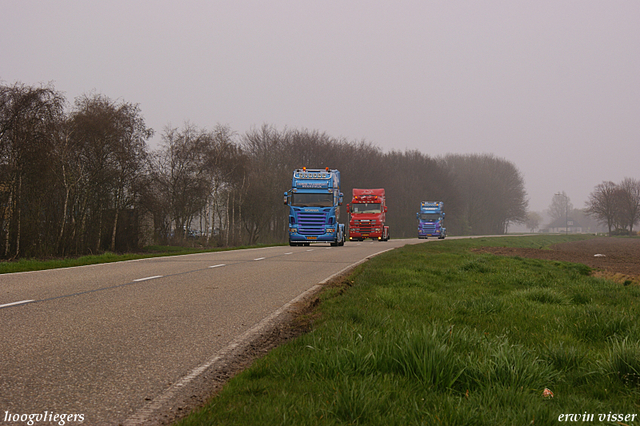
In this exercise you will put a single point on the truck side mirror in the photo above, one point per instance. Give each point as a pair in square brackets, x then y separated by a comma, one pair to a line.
[340, 199]
[286, 198]
[443, 215]
[348, 208]
[385, 209]
[417, 215]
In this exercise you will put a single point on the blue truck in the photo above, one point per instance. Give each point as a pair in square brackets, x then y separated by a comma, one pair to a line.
[430, 220]
[314, 202]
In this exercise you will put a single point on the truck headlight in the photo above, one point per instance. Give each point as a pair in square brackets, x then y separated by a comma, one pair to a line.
[293, 230]
[330, 230]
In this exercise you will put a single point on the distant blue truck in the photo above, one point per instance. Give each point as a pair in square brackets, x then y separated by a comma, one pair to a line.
[314, 202]
[431, 220]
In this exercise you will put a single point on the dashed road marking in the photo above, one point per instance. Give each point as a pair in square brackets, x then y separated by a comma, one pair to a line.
[147, 278]
[21, 302]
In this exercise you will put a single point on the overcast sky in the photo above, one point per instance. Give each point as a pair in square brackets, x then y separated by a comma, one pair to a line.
[552, 86]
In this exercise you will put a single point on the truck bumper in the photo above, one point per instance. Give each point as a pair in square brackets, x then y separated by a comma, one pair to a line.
[427, 234]
[325, 238]
[364, 236]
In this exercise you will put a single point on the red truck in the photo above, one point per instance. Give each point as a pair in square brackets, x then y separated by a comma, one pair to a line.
[367, 209]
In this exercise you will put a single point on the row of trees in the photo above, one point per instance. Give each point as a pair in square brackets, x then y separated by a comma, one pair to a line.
[617, 205]
[83, 179]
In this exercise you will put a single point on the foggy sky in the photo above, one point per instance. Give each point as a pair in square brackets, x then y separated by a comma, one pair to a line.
[552, 86]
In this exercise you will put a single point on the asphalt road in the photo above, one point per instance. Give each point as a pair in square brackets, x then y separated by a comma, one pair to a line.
[110, 342]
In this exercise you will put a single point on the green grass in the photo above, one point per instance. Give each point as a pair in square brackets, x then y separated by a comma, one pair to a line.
[436, 334]
[24, 265]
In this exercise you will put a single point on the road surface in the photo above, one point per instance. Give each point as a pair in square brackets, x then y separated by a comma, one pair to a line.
[115, 344]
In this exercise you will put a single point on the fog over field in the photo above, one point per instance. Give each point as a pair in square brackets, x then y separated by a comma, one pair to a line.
[552, 86]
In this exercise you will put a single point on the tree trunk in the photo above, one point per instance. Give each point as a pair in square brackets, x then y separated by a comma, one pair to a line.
[113, 232]
[8, 216]
[99, 242]
[83, 226]
[18, 214]
[64, 214]
[228, 219]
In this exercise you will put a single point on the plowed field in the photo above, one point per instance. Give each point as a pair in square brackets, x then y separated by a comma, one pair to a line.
[613, 258]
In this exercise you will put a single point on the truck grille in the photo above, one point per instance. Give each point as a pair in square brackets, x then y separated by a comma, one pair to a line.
[363, 227]
[311, 223]
[429, 228]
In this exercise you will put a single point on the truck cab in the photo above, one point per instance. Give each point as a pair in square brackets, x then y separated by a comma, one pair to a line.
[368, 214]
[431, 220]
[314, 202]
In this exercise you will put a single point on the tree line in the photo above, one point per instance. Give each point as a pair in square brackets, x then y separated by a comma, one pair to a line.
[82, 178]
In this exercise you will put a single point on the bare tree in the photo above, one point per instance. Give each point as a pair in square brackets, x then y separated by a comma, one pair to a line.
[602, 204]
[224, 165]
[130, 152]
[179, 174]
[269, 174]
[107, 156]
[30, 119]
[560, 205]
[629, 203]
[533, 221]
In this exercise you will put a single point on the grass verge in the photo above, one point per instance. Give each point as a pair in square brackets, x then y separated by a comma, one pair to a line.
[24, 265]
[435, 334]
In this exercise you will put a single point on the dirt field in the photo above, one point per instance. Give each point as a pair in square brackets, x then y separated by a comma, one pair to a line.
[613, 258]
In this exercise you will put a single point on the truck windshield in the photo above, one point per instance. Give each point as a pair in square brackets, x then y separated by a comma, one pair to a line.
[312, 200]
[366, 208]
[430, 217]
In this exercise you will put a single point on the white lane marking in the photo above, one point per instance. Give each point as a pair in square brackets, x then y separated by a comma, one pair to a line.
[217, 266]
[240, 342]
[217, 361]
[310, 250]
[147, 278]
[22, 302]
[289, 252]
[260, 258]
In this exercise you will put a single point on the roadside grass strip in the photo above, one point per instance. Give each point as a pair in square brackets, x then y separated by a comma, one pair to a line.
[435, 334]
[28, 265]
